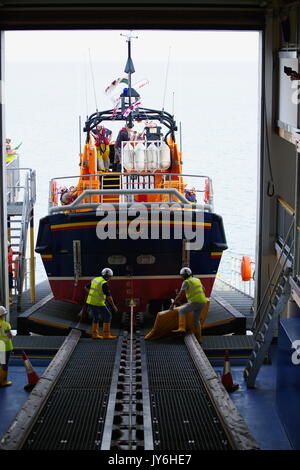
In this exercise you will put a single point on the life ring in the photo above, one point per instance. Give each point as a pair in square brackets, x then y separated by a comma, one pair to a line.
[206, 192]
[246, 270]
[54, 192]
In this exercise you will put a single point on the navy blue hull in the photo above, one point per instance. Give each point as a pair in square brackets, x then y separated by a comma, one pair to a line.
[72, 254]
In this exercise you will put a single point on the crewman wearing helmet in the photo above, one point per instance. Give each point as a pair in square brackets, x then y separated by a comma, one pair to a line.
[194, 291]
[6, 347]
[99, 294]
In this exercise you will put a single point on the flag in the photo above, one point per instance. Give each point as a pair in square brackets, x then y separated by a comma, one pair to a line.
[116, 108]
[114, 84]
[141, 83]
[131, 108]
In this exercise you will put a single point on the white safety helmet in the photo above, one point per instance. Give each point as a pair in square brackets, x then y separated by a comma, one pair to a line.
[107, 272]
[3, 311]
[185, 272]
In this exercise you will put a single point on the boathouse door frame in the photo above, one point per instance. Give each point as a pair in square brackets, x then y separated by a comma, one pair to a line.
[4, 293]
[241, 15]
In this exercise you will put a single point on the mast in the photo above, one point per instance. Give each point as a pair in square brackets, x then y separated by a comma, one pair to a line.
[129, 69]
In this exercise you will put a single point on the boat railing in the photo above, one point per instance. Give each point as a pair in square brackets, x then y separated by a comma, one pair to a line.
[13, 179]
[73, 193]
[21, 187]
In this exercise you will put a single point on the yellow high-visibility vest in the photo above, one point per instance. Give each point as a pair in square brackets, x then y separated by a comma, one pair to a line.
[96, 296]
[195, 291]
[5, 341]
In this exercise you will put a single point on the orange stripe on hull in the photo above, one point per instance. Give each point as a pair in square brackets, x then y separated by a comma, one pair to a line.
[216, 255]
[83, 225]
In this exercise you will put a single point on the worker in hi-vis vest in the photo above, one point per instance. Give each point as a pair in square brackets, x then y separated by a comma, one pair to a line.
[99, 294]
[6, 347]
[196, 300]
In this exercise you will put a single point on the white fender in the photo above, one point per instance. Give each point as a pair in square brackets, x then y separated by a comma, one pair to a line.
[164, 156]
[128, 162]
[152, 157]
[139, 157]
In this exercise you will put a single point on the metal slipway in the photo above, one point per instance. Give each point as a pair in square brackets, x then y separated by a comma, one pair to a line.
[128, 394]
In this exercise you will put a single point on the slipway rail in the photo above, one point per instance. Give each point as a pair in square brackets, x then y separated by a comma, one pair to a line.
[84, 401]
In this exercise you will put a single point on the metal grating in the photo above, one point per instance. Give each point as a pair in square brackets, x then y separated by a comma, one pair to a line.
[71, 420]
[188, 422]
[58, 311]
[182, 413]
[238, 299]
[228, 342]
[73, 417]
[38, 342]
[41, 291]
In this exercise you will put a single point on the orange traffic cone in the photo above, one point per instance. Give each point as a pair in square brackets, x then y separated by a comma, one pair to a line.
[227, 377]
[33, 377]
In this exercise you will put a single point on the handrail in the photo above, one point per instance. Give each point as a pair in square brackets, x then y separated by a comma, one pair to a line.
[22, 246]
[27, 183]
[31, 188]
[286, 206]
[144, 187]
[92, 192]
[131, 174]
[272, 276]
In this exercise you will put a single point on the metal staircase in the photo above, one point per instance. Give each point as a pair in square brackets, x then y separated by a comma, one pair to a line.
[21, 195]
[269, 312]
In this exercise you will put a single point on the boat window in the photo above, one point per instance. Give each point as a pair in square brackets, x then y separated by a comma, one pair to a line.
[145, 259]
[117, 259]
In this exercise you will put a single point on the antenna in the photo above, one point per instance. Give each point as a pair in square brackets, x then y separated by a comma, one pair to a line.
[129, 36]
[86, 86]
[180, 128]
[129, 68]
[173, 103]
[79, 135]
[93, 80]
[166, 80]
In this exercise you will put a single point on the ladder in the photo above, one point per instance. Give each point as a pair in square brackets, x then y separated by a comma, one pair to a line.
[110, 181]
[268, 318]
[20, 218]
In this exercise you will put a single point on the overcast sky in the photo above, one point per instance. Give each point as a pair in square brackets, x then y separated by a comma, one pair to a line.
[151, 45]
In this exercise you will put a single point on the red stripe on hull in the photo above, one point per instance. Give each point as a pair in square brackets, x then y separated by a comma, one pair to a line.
[142, 289]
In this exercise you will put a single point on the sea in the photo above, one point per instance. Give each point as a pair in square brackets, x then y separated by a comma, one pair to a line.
[216, 105]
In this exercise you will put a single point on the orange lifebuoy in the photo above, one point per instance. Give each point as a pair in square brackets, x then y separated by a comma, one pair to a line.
[54, 192]
[206, 192]
[246, 271]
